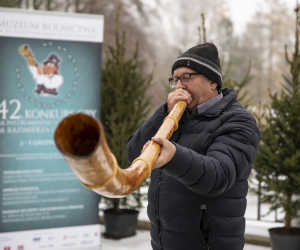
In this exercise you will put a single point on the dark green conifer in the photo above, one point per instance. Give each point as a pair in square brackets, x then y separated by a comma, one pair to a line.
[277, 163]
[239, 86]
[124, 105]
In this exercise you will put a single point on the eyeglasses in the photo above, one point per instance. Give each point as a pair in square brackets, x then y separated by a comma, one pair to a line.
[184, 78]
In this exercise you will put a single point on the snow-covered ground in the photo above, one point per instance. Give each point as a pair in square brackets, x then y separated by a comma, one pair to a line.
[141, 241]
[252, 206]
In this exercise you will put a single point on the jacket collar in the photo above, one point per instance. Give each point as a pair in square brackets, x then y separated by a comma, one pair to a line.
[229, 97]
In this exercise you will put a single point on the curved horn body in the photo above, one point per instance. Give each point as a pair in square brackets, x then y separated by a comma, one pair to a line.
[81, 140]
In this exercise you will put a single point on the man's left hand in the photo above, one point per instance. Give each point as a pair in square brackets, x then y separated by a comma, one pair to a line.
[167, 151]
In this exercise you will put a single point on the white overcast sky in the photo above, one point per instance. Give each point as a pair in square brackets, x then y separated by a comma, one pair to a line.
[241, 11]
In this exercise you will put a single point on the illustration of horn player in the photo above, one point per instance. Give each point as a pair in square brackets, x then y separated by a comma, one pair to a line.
[47, 78]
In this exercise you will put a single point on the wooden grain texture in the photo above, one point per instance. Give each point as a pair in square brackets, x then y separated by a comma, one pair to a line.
[81, 140]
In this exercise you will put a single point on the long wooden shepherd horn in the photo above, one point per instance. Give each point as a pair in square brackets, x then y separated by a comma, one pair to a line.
[81, 140]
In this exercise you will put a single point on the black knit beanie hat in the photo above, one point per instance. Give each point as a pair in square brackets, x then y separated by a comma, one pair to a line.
[204, 59]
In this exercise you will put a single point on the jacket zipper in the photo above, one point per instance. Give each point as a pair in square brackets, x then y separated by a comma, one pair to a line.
[203, 211]
[157, 211]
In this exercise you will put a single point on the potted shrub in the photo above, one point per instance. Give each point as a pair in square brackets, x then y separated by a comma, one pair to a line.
[124, 107]
[277, 163]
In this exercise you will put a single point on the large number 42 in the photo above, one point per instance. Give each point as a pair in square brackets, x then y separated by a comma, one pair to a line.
[4, 110]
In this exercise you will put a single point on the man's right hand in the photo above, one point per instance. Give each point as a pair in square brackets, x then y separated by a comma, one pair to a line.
[178, 95]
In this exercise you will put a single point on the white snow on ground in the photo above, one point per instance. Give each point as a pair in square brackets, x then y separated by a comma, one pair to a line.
[141, 241]
[252, 206]
[260, 228]
[254, 247]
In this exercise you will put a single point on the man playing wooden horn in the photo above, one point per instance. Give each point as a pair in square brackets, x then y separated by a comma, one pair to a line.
[197, 195]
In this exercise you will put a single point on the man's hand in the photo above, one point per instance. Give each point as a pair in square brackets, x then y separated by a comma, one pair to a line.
[178, 95]
[167, 151]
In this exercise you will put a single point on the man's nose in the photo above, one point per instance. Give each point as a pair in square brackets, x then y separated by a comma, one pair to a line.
[179, 85]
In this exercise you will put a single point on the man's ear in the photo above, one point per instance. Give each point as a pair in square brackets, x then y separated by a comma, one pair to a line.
[214, 85]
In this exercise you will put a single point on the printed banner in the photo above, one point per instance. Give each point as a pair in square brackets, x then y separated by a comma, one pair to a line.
[50, 67]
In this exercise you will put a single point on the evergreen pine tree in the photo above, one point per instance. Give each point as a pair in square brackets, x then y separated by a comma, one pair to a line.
[277, 163]
[239, 86]
[124, 106]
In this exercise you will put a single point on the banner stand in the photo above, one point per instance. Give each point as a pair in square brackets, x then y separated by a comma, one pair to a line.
[50, 67]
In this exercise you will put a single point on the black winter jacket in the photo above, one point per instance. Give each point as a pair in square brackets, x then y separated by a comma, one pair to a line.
[198, 199]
